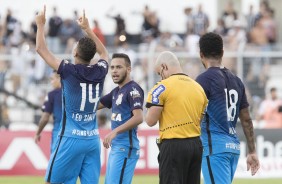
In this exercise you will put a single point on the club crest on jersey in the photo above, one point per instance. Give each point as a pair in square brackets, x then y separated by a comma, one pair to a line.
[156, 93]
[119, 99]
[134, 93]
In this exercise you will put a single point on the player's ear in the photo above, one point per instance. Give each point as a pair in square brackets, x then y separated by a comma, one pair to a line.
[222, 53]
[201, 55]
[75, 53]
[164, 66]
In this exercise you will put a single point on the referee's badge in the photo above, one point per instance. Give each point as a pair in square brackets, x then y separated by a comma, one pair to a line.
[156, 93]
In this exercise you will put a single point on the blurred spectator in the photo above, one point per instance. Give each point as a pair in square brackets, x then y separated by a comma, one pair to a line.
[3, 71]
[189, 19]
[250, 19]
[18, 36]
[9, 26]
[258, 34]
[102, 118]
[269, 25]
[150, 26]
[229, 15]
[1, 35]
[201, 22]
[120, 32]
[236, 35]
[125, 48]
[221, 28]
[32, 31]
[97, 30]
[264, 6]
[35, 72]
[4, 116]
[55, 23]
[78, 33]
[170, 41]
[67, 35]
[270, 111]
[235, 38]
[192, 42]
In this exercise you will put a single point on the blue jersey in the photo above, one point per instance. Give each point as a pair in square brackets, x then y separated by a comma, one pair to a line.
[123, 101]
[53, 105]
[82, 86]
[226, 95]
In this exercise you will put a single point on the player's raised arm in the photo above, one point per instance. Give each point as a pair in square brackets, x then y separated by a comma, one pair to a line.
[41, 47]
[101, 49]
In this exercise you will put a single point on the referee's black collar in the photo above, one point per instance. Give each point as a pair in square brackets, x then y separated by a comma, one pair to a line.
[180, 74]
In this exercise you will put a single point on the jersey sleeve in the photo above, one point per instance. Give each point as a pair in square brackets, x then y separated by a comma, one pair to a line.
[205, 84]
[136, 98]
[107, 100]
[244, 103]
[65, 68]
[102, 67]
[48, 104]
[156, 96]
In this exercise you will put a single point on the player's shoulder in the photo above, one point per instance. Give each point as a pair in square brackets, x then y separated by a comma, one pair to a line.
[135, 89]
[204, 75]
[134, 84]
[66, 62]
[102, 63]
[55, 92]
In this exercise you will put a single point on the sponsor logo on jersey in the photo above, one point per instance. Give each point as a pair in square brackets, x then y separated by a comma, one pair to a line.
[156, 93]
[102, 63]
[135, 93]
[136, 104]
[116, 117]
[119, 99]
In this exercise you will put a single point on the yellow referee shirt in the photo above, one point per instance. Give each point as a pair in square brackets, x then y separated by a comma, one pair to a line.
[183, 101]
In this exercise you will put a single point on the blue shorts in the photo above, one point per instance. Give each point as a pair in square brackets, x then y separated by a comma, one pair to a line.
[75, 158]
[121, 165]
[219, 168]
[55, 136]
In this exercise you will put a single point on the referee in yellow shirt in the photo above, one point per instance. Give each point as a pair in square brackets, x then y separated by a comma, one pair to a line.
[178, 103]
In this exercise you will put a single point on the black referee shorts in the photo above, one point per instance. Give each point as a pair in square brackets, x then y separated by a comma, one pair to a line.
[180, 161]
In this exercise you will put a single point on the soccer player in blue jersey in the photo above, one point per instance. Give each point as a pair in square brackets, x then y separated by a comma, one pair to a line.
[126, 102]
[227, 101]
[77, 152]
[52, 105]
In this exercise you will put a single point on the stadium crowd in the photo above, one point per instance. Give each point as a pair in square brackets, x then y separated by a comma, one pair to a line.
[24, 76]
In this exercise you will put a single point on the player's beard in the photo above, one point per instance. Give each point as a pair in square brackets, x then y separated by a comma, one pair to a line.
[122, 79]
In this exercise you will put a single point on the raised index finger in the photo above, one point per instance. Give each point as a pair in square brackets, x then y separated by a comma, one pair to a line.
[84, 13]
[44, 10]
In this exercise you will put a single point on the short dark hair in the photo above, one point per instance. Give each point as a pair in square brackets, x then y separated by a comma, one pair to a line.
[273, 89]
[124, 56]
[211, 45]
[86, 49]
